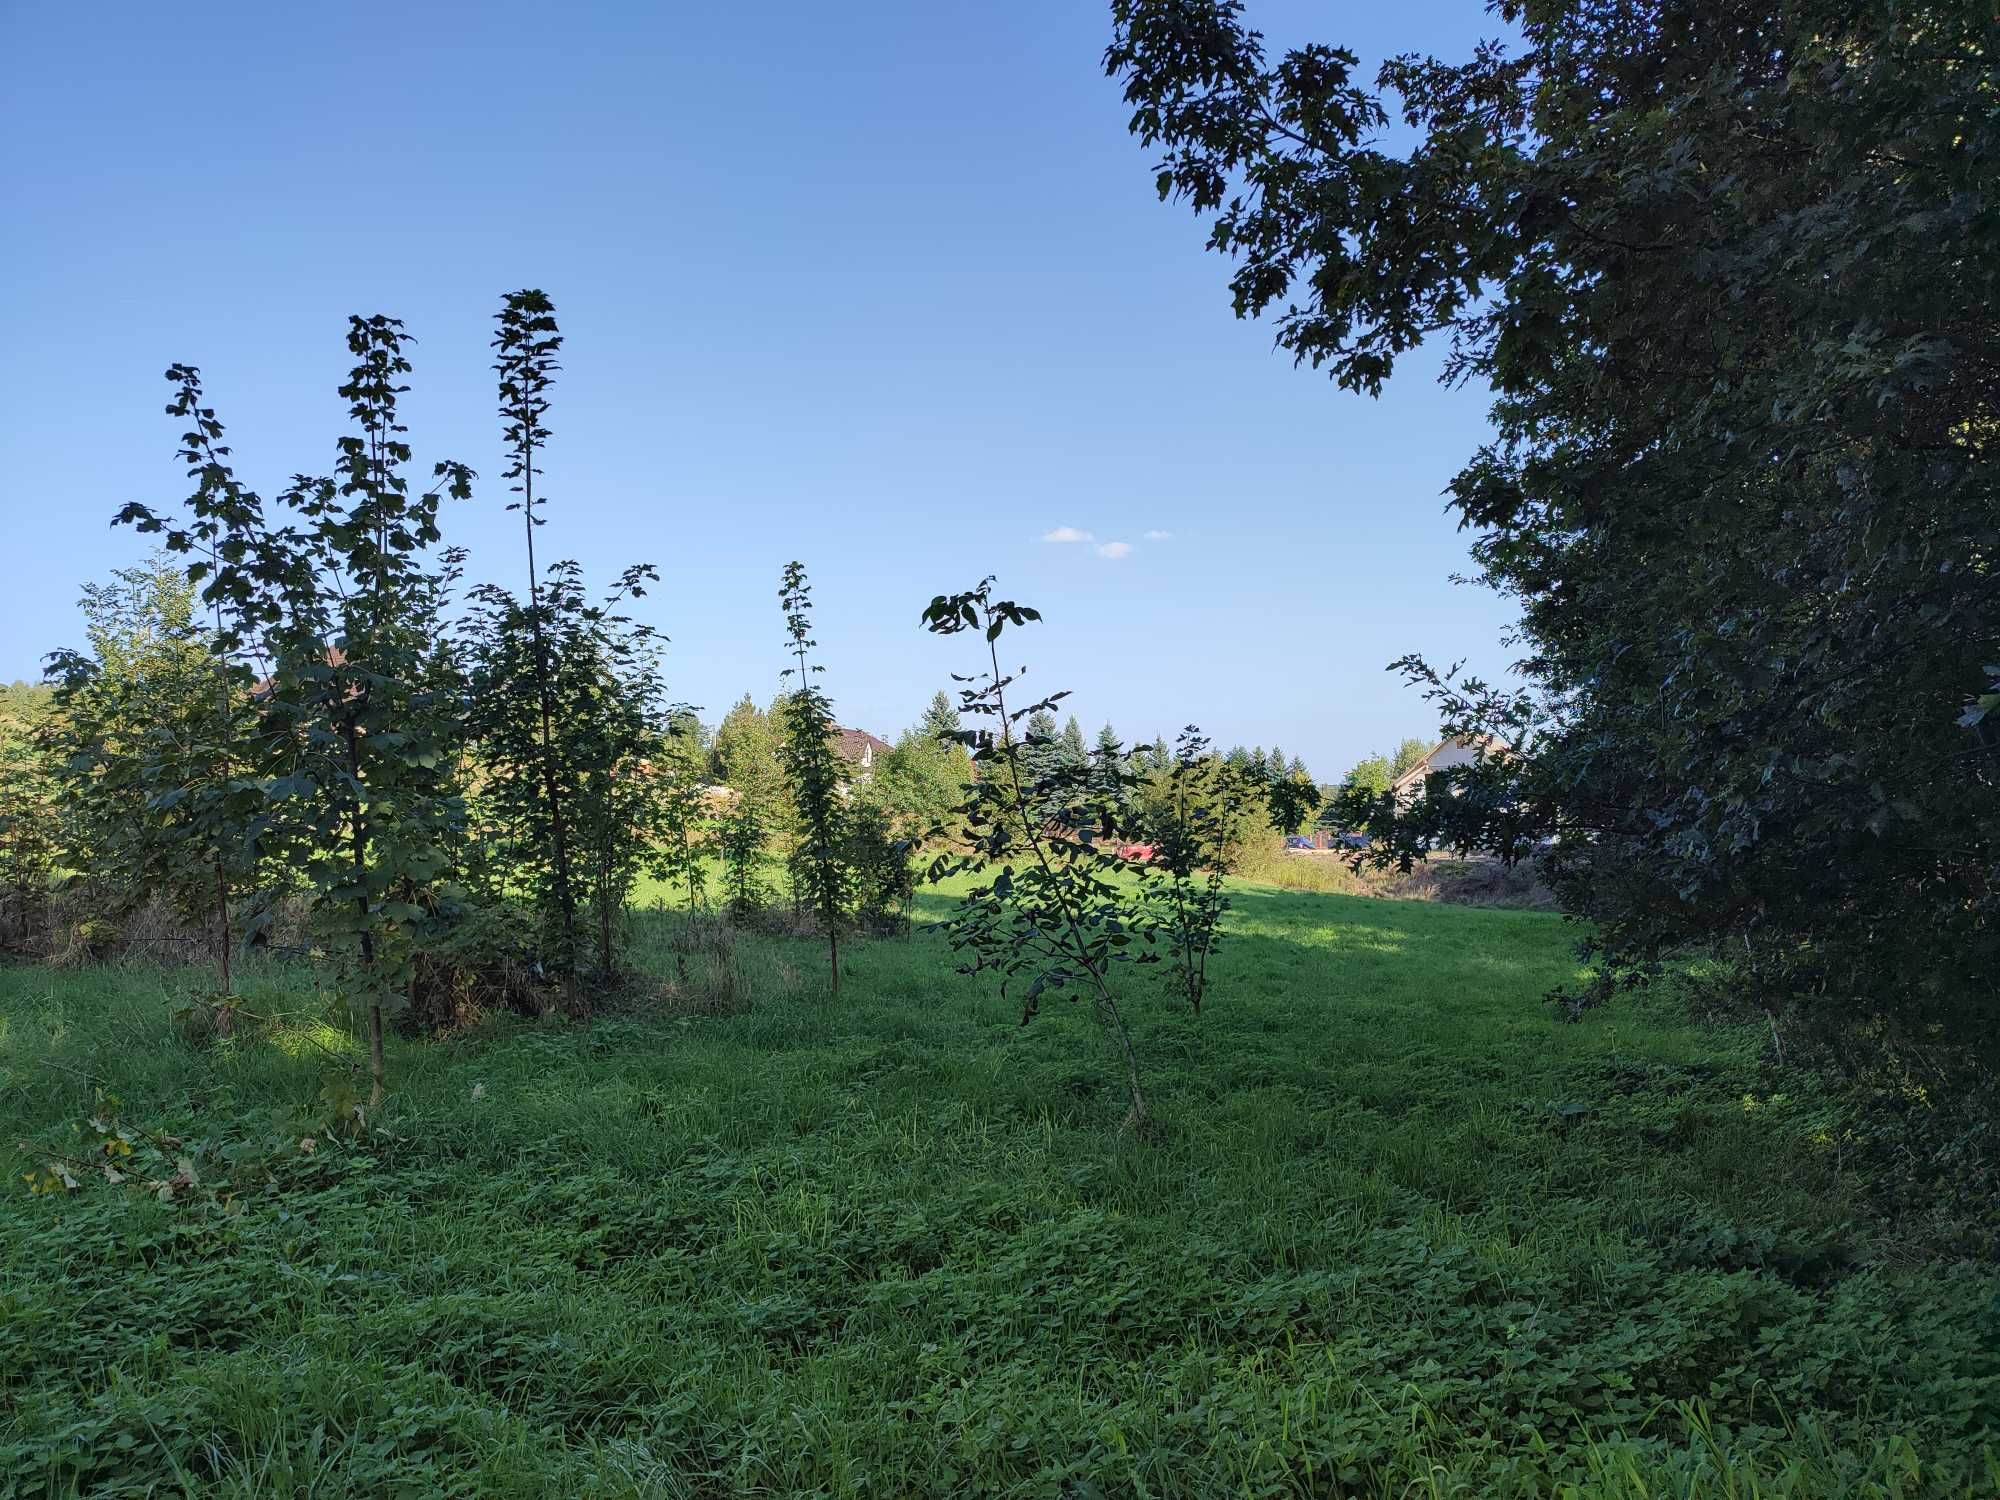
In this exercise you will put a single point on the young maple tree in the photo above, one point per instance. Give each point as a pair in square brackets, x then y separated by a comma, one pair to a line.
[816, 775]
[356, 720]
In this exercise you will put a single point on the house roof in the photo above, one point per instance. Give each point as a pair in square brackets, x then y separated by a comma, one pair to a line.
[335, 657]
[1489, 744]
[852, 742]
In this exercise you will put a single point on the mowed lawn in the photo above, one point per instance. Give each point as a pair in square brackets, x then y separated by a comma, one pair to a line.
[1401, 1232]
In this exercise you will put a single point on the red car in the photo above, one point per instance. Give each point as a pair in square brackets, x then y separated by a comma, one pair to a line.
[1140, 852]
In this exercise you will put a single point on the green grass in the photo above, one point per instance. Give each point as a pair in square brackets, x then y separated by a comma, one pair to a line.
[1401, 1234]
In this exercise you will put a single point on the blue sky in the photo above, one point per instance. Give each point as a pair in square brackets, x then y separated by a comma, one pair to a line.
[883, 287]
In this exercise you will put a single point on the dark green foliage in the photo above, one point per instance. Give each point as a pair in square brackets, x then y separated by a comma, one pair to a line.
[925, 775]
[29, 809]
[880, 867]
[620, 818]
[356, 714]
[1196, 813]
[1074, 754]
[528, 342]
[740, 840]
[1116, 772]
[597, 671]
[1050, 906]
[140, 737]
[565, 708]
[474, 958]
[816, 777]
[679, 853]
[1733, 274]
[1041, 757]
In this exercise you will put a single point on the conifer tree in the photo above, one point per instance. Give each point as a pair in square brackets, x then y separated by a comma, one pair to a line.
[1075, 754]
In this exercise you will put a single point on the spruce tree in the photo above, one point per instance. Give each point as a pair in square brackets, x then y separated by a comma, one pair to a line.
[1075, 754]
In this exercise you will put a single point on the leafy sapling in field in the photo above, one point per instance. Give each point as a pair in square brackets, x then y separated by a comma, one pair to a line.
[201, 768]
[740, 841]
[146, 725]
[1196, 818]
[356, 678]
[565, 703]
[354, 731]
[615, 712]
[816, 776]
[879, 866]
[528, 342]
[1053, 907]
[678, 852]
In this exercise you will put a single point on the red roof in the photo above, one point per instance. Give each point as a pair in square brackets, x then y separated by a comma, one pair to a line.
[853, 741]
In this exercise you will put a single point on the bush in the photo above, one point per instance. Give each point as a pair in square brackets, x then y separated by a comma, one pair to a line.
[884, 880]
[473, 958]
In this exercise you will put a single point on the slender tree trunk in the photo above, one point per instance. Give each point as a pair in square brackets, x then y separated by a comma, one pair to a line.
[225, 1018]
[833, 950]
[551, 791]
[604, 921]
[377, 1065]
[1138, 1115]
[225, 1014]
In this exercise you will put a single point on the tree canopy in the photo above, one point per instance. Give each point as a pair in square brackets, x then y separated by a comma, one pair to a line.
[1730, 271]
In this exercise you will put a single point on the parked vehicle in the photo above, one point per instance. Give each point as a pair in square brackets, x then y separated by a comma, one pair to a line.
[1354, 841]
[1140, 852]
[1297, 841]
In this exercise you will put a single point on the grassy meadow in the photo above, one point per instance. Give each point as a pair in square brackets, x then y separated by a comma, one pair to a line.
[1400, 1233]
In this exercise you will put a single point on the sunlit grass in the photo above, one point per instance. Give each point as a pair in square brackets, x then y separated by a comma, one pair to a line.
[1401, 1232]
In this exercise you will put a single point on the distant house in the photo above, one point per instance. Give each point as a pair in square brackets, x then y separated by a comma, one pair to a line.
[860, 750]
[1461, 750]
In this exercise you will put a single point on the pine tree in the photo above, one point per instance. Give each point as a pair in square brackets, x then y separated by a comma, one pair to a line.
[1040, 755]
[1075, 755]
[1114, 769]
[940, 721]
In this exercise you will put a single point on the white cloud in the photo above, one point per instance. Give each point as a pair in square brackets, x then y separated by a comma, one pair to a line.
[1159, 536]
[1114, 549]
[1066, 534]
